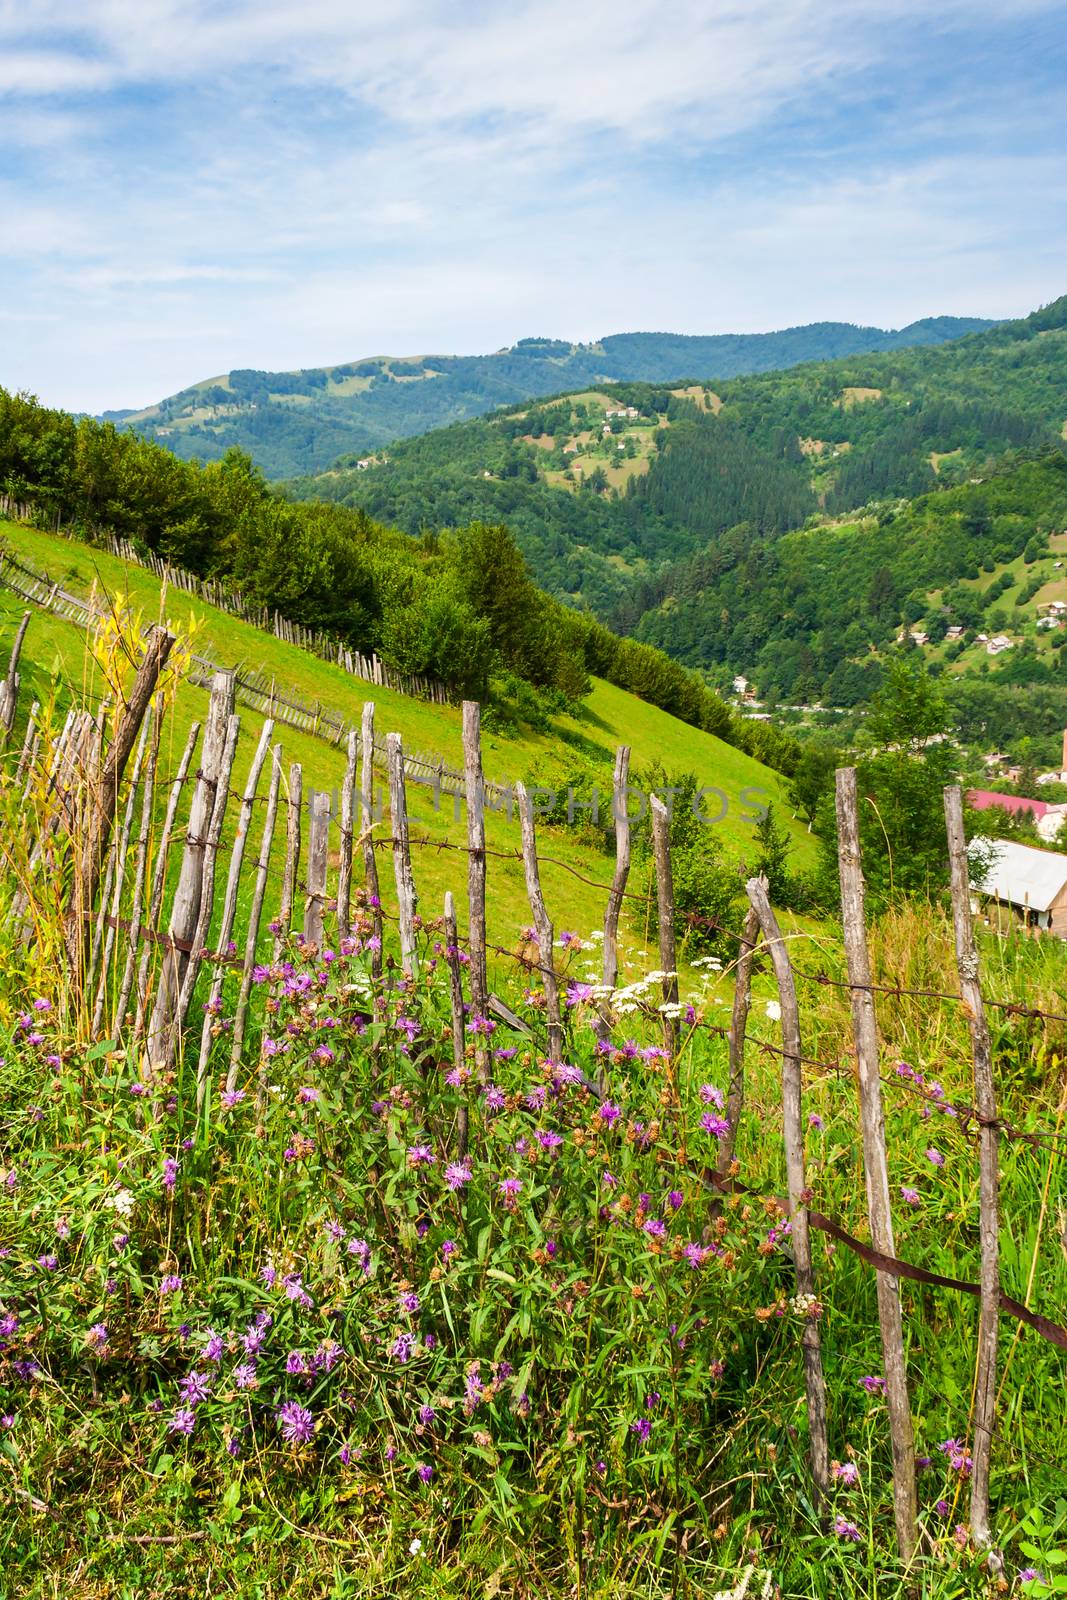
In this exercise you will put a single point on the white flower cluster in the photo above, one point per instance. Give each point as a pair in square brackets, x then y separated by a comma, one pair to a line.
[802, 1305]
[121, 1202]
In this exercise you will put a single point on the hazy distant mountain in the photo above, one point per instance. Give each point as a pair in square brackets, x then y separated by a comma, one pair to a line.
[299, 422]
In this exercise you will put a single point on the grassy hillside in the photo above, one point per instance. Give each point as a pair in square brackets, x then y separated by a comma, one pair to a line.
[301, 421]
[575, 750]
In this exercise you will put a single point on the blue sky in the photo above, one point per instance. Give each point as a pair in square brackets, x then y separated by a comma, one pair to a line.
[188, 186]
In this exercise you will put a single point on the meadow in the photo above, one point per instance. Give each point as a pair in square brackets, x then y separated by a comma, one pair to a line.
[397, 1310]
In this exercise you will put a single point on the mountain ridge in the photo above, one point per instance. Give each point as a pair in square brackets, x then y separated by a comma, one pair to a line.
[301, 420]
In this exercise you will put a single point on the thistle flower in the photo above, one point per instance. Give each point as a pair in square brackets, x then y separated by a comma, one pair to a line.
[195, 1387]
[510, 1188]
[183, 1421]
[873, 1385]
[244, 1375]
[96, 1338]
[847, 1531]
[934, 1156]
[296, 1422]
[845, 1472]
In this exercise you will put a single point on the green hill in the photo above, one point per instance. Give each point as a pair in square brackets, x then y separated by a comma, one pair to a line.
[662, 509]
[292, 422]
[574, 749]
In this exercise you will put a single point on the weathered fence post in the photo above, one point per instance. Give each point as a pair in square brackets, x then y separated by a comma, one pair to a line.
[793, 1131]
[668, 954]
[140, 872]
[407, 900]
[159, 874]
[9, 686]
[475, 791]
[240, 1016]
[30, 744]
[207, 894]
[318, 857]
[618, 890]
[985, 1102]
[101, 819]
[542, 924]
[348, 807]
[876, 1172]
[294, 803]
[366, 825]
[185, 912]
[229, 907]
[735, 1095]
[455, 982]
[118, 871]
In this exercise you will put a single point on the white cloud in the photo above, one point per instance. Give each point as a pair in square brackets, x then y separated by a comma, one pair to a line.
[258, 184]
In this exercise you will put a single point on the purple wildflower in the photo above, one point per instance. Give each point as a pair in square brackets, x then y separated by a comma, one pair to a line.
[909, 1195]
[873, 1385]
[170, 1284]
[244, 1375]
[196, 1386]
[425, 1473]
[457, 1173]
[296, 1422]
[846, 1472]
[608, 1113]
[847, 1530]
[183, 1421]
[96, 1338]
[642, 1427]
[934, 1156]
[718, 1127]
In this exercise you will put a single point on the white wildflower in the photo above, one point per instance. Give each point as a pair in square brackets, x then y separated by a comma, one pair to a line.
[121, 1202]
[774, 1011]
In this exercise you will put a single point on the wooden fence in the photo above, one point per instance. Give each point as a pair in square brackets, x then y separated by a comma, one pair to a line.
[368, 668]
[140, 903]
[254, 689]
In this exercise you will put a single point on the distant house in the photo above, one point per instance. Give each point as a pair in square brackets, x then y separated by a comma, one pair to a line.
[1033, 883]
[955, 632]
[1047, 817]
[1046, 623]
[998, 644]
[367, 461]
[622, 411]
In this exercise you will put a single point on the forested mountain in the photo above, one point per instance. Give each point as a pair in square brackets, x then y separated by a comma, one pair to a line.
[292, 422]
[460, 607]
[726, 525]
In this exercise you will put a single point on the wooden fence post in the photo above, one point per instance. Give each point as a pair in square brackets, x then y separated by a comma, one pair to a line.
[475, 791]
[793, 1131]
[668, 954]
[185, 911]
[102, 816]
[207, 893]
[229, 907]
[240, 1016]
[118, 880]
[9, 686]
[459, 1043]
[366, 825]
[140, 872]
[344, 870]
[318, 857]
[407, 900]
[985, 1102]
[618, 889]
[876, 1172]
[159, 874]
[29, 744]
[294, 804]
[542, 924]
[735, 1097]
